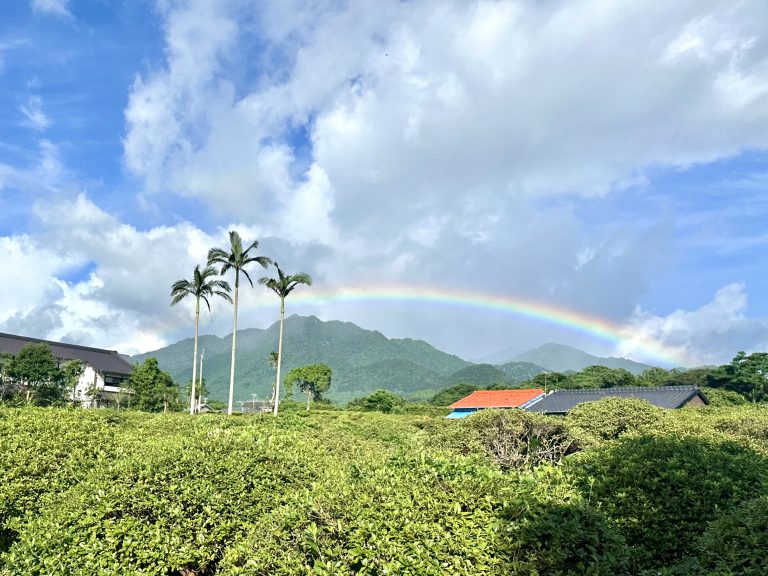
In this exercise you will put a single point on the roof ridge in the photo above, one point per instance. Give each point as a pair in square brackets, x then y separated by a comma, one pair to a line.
[55, 343]
[629, 388]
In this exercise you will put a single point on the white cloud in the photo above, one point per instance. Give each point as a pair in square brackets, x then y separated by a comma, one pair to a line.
[54, 7]
[711, 334]
[34, 116]
[118, 296]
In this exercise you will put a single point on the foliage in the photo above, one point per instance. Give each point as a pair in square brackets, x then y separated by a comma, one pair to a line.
[746, 374]
[153, 389]
[546, 381]
[379, 401]
[609, 418]
[313, 380]
[736, 542]
[512, 439]
[70, 373]
[598, 377]
[342, 492]
[661, 490]
[723, 397]
[454, 393]
[552, 529]
[37, 375]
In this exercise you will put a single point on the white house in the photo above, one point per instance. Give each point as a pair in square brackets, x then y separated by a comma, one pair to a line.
[104, 371]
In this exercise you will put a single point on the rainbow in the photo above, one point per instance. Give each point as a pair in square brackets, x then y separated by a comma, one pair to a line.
[593, 326]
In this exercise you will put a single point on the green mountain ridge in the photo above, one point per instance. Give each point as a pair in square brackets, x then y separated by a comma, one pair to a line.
[362, 361]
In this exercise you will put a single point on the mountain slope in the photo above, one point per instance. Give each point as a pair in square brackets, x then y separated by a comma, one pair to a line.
[561, 358]
[362, 360]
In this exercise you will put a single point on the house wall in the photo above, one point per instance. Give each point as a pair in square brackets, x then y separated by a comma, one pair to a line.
[88, 378]
[91, 378]
[696, 401]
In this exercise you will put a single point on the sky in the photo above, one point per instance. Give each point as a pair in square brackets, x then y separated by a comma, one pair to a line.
[607, 159]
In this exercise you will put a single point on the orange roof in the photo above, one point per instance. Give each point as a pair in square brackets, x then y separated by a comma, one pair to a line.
[497, 398]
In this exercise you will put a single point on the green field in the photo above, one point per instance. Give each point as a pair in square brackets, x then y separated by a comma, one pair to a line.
[618, 487]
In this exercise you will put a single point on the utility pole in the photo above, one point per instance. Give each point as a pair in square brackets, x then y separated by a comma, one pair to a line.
[253, 402]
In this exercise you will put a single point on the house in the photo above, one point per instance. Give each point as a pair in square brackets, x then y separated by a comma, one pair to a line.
[483, 399]
[560, 402]
[105, 372]
[256, 407]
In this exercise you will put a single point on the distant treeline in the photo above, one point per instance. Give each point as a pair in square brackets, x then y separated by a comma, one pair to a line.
[744, 379]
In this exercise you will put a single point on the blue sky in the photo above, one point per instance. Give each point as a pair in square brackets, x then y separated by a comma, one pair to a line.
[608, 158]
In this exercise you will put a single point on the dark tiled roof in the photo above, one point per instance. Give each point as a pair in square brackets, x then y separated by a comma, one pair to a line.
[497, 398]
[562, 401]
[101, 360]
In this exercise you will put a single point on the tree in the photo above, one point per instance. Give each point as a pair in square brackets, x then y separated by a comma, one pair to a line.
[235, 259]
[599, 377]
[746, 374]
[7, 384]
[272, 359]
[37, 371]
[283, 285]
[450, 395]
[547, 381]
[70, 373]
[653, 377]
[312, 380]
[200, 390]
[150, 386]
[201, 287]
[379, 401]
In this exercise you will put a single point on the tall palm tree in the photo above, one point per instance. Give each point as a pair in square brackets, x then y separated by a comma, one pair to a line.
[201, 287]
[235, 259]
[282, 286]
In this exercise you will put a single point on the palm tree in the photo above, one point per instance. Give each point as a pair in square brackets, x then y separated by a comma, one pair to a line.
[282, 286]
[201, 287]
[236, 259]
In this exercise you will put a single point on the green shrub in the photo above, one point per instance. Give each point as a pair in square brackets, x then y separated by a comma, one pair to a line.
[662, 490]
[427, 515]
[379, 401]
[513, 439]
[170, 510]
[736, 542]
[609, 418]
[723, 397]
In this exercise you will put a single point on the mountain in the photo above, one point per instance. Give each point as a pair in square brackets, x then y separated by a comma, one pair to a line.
[561, 358]
[481, 375]
[362, 360]
[521, 371]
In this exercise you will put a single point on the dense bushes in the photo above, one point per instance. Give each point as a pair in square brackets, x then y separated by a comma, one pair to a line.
[660, 491]
[611, 417]
[513, 439]
[341, 492]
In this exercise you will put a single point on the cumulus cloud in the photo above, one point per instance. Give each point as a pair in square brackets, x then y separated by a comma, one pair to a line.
[451, 143]
[53, 7]
[86, 275]
[711, 334]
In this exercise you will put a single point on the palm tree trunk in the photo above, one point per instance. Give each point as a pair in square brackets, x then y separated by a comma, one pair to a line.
[309, 397]
[234, 341]
[194, 359]
[279, 357]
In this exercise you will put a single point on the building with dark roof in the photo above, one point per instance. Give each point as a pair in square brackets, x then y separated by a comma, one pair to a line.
[563, 401]
[104, 371]
[484, 399]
